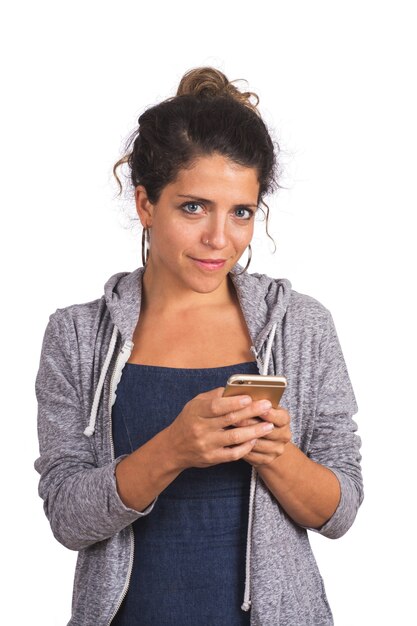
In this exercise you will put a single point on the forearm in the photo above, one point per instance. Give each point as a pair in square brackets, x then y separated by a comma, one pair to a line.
[145, 473]
[307, 491]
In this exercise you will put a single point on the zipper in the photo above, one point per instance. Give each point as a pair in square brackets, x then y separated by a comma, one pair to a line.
[129, 574]
[128, 345]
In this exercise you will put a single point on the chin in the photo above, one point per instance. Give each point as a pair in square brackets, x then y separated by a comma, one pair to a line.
[206, 284]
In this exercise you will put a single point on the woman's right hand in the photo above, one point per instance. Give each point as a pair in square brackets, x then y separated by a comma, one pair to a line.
[199, 436]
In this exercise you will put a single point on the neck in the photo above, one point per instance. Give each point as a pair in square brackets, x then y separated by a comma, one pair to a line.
[161, 296]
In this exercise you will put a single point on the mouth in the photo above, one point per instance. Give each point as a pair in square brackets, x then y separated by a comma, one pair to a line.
[209, 264]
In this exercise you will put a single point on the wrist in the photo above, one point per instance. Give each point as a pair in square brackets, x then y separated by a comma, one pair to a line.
[146, 472]
[169, 456]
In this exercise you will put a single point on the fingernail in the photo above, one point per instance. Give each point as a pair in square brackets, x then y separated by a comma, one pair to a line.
[265, 405]
[267, 427]
[245, 401]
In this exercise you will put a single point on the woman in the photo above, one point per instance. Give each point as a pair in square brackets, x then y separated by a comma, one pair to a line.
[183, 503]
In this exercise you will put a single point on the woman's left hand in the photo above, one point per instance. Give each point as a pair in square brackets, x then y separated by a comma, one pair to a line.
[271, 445]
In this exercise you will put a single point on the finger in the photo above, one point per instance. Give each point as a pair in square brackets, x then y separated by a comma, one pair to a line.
[255, 458]
[265, 446]
[249, 413]
[216, 405]
[266, 450]
[275, 440]
[254, 414]
[226, 454]
[236, 436]
[249, 421]
[279, 417]
[231, 413]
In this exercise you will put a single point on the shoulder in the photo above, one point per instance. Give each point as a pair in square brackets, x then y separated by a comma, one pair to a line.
[285, 302]
[308, 309]
[79, 314]
[78, 326]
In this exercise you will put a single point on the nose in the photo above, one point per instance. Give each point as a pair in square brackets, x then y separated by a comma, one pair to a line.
[215, 233]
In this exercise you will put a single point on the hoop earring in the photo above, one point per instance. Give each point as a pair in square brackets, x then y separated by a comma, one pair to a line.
[145, 245]
[248, 263]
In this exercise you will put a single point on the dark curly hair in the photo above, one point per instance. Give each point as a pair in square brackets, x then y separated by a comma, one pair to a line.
[207, 115]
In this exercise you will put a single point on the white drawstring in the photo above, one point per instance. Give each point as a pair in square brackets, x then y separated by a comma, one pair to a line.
[89, 431]
[263, 366]
[268, 350]
[246, 598]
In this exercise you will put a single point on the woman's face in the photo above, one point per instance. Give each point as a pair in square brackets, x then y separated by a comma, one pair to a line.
[202, 223]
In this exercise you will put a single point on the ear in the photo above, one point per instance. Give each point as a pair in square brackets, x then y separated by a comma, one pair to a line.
[144, 207]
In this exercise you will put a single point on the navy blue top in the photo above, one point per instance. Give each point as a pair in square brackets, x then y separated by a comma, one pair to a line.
[189, 557]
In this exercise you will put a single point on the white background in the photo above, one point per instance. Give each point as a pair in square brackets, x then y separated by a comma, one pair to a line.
[336, 82]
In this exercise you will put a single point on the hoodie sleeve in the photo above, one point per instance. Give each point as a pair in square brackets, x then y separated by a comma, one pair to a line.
[334, 443]
[81, 500]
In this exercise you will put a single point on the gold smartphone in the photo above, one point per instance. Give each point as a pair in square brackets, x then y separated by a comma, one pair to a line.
[256, 386]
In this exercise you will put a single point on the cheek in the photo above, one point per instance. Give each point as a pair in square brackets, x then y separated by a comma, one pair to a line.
[172, 242]
[244, 237]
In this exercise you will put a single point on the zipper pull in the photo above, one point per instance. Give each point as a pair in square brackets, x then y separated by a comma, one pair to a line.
[128, 345]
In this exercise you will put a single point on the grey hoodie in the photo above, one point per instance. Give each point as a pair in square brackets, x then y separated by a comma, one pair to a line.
[84, 350]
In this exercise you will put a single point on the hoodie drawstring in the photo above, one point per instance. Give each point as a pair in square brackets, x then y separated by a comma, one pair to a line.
[263, 366]
[117, 373]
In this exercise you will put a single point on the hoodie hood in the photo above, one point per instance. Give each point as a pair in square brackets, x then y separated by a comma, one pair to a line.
[263, 301]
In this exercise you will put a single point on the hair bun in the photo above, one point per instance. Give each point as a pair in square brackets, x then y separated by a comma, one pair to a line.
[209, 82]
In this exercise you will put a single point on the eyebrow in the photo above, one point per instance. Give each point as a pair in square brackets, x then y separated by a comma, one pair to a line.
[210, 202]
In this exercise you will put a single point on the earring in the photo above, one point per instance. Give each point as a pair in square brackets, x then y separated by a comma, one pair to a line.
[145, 245]
[247, 264]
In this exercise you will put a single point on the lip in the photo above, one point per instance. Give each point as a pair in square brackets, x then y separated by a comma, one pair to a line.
[209, 264]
